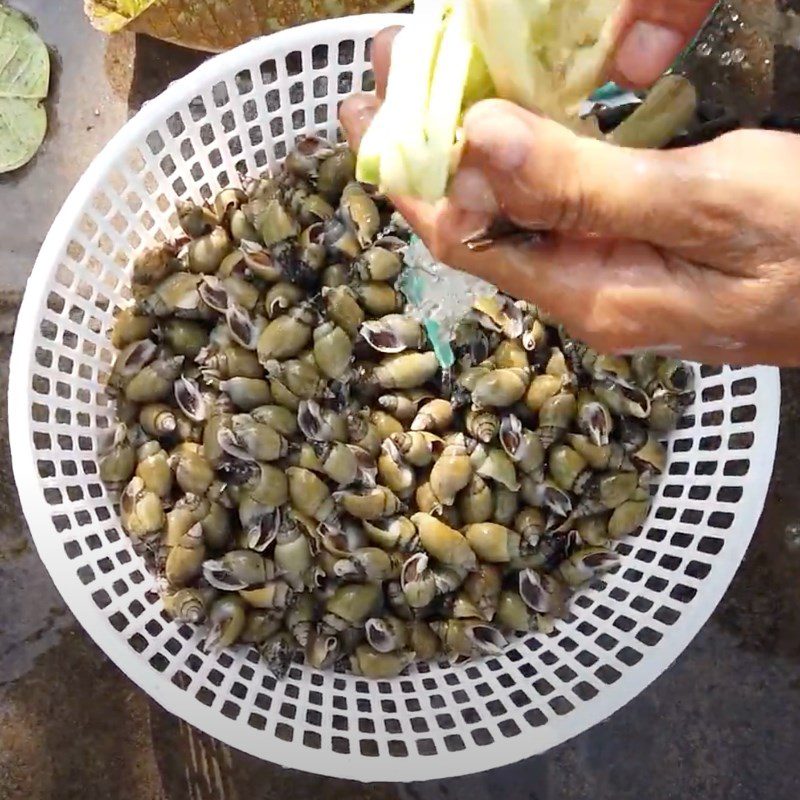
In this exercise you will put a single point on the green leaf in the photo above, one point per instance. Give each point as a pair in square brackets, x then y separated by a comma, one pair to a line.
[24, 81]
[23, 124]
[24, 60]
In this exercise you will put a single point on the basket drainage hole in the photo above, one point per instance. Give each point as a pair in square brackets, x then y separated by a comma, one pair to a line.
[454, 743]
[481, 736]
[284, 732]
[509, 728]
[535, 718]
[584, 691]
[649, 637]
[257, 721]
[561, 705]
[426, 747]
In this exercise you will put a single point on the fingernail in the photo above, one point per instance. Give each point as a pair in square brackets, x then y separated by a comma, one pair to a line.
[471, 191]
[471, 227]
[460, 224]
[646, 51]
[500, 137]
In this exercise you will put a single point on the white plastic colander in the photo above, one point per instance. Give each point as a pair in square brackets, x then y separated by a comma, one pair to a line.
[240, 112]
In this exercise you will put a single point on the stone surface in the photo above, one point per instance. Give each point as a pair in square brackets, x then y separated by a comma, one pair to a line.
[721, 723]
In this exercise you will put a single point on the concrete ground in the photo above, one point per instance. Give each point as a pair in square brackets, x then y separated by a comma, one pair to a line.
[721, 723]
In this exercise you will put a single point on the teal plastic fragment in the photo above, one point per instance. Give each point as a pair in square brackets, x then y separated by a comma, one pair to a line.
[441, 345]
[607, 92]
[412, 285]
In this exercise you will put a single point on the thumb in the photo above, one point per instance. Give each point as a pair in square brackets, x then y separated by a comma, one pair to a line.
[542, 176]
[652, 35]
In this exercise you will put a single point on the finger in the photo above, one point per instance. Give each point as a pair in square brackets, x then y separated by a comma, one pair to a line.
[560, 275]
[382, 58]
[619, 297]
[358, 111]
[653, 34]
[542, 176]
[356, 114]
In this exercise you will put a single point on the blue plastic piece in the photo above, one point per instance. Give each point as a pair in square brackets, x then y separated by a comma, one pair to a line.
[412, 285]
[607, 92]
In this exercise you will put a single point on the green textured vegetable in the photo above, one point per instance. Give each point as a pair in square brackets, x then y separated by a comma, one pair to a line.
[24, 79]
[543, 54]
[670, 105]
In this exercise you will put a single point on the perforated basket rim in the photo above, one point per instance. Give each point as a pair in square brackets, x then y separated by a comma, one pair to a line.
[77, 597]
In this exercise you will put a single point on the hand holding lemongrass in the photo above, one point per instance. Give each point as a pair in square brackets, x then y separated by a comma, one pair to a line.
[693, 252]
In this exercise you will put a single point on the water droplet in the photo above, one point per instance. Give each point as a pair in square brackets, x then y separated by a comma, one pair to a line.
[737, 55]
[704, 49]
[793, 535]
[725, 59]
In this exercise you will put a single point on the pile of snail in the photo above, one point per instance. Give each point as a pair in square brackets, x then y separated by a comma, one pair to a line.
[302, 475]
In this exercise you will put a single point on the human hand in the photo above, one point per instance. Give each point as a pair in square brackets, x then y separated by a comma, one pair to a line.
[694, 252]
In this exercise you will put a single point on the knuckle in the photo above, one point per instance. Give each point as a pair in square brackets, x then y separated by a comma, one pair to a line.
[491, 109]
[598, 336]
[578, 208]
[750, 306]
[564, 204]
[608, 343]
[608, 326]
[573, 205]
[596, 326]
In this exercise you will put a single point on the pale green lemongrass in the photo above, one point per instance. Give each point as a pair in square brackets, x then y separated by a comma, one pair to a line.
[545, 55]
